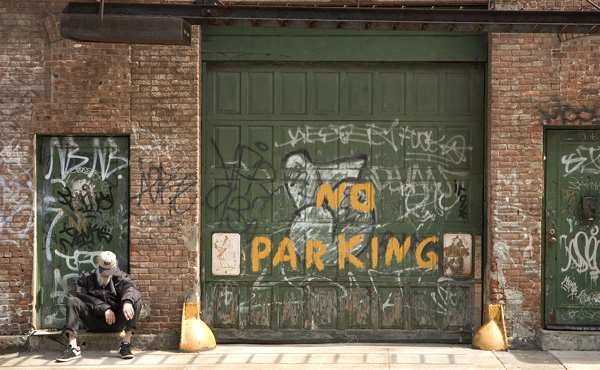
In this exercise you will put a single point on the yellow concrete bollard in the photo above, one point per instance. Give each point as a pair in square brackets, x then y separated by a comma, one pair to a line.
[489, 338]
[492, 335]
[196, 336]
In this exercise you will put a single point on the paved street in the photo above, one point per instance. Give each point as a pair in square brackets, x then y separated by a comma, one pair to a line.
[324, 356]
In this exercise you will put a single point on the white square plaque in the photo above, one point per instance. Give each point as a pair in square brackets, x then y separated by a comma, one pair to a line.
[225, 254]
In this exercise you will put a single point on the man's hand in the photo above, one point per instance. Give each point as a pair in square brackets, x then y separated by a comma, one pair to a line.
[128, 310]
[110, 316]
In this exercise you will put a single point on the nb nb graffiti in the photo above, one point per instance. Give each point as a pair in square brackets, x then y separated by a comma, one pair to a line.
[102, 163]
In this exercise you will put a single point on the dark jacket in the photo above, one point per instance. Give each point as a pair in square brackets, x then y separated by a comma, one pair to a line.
[119, 290]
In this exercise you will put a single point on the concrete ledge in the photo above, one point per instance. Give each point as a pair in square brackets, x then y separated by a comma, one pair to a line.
[148, 342]
[562, 340]
[102, 341]
[12, 344]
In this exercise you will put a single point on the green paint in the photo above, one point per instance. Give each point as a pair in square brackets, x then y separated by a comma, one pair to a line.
[293, 45]
[396, 152]
[572, 294]
[83, 209]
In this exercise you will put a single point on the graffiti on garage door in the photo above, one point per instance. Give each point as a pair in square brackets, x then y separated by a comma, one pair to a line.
[347, 216]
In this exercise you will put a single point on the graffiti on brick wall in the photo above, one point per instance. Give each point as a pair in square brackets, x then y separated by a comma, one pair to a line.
[566, 115]
[510, 232]
[165, 178]
[16, 186]
[512, 249]
[160, 186]
[84, 211]
[509, 218]
[16, 213]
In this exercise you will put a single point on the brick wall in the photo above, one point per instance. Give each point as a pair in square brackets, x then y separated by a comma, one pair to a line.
[23, 85]
[165, 179]
[534, 81]
[54, 86]
[522, 79]
[51, 85]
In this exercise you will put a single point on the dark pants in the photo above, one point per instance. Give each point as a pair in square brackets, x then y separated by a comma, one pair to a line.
[77, 310]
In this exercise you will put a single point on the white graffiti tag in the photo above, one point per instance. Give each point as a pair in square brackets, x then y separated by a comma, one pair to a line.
[418, 144]
[16, 184]
[569, 286]
[106, 160]
[582, 252]
[586, 160]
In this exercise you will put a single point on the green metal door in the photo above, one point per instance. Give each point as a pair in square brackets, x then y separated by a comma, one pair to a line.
[572, 297]
[83, 209]
[341, 200]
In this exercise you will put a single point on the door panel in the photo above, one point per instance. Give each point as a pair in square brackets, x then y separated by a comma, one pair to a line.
[572, 225]
[346, 184]
[83, 209]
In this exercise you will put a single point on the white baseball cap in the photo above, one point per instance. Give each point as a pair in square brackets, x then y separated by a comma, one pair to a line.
[107, 263]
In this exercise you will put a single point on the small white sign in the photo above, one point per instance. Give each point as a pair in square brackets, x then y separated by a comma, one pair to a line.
[458, 249]
[226, 254]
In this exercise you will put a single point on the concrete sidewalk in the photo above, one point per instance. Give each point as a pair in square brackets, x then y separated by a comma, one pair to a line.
[322, 356]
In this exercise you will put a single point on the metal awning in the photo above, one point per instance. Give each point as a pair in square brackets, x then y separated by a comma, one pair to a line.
[171, 23]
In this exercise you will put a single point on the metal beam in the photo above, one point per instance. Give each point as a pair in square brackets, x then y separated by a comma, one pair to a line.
[126, 29]
[372, 18]
[355, 3]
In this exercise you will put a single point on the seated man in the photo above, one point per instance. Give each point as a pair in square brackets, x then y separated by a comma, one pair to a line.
[106, 300]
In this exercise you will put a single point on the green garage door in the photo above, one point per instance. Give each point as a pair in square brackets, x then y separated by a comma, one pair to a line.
[341, 199]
